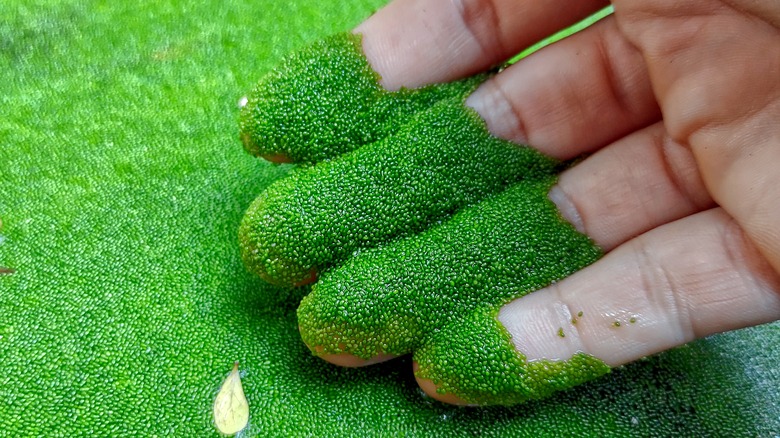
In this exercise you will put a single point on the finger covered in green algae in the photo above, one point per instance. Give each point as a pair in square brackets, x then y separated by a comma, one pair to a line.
[475, 360]
[437, 294]
[325, 100]
[434, 165]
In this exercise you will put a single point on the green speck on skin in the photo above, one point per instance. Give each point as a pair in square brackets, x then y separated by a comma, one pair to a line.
[579, 314]
[616, 324]
[561, 333]
[632, 320]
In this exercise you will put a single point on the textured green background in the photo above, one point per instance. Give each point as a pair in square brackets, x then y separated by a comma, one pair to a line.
[122, 184]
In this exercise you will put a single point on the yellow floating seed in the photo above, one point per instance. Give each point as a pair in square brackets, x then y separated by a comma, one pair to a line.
[231, 410]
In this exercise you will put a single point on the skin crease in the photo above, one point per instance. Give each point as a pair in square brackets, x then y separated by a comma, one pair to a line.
[678, 102]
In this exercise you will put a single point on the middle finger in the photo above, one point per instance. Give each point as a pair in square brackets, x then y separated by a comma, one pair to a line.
[631, 186]
[572, 97]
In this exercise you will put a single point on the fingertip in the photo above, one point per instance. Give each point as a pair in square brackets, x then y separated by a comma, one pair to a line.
[285, 281]
[249, 143]
[430, 389]
[277, 158]
[251, 146]
[307, 280]
[349, 360]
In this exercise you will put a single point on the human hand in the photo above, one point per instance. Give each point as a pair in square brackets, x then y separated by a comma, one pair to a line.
[415, 222]
[645, 296]
[679, 105]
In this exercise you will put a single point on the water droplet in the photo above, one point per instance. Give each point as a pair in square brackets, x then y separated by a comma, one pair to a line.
[231, 409]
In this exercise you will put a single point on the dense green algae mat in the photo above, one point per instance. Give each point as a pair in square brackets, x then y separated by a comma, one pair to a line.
[122, 184]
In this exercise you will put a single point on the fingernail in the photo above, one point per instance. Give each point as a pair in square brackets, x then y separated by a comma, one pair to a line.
[566, 208]
[477, 103]
[502, 120]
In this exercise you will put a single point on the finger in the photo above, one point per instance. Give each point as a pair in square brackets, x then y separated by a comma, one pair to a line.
[430, 388]
[631, 186]
[324, 101]
[473, 361]
[571, 97]
[715, 68]
[440, 162]
[683, 281]
[351, 361]
[412, 43]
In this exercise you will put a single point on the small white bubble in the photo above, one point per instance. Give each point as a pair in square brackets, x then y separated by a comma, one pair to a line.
[242, 102]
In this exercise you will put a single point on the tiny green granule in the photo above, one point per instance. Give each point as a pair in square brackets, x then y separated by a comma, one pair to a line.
[561, 333]
[579, 314]
[632, 320]
[616, 323]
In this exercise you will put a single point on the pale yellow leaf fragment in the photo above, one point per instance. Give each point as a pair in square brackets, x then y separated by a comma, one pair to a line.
[231, 410]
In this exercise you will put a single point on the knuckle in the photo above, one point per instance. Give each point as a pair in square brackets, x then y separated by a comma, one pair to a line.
[481, 20]
[661, 290]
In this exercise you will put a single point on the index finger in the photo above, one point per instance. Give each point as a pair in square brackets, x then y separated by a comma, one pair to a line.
[412, 43]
